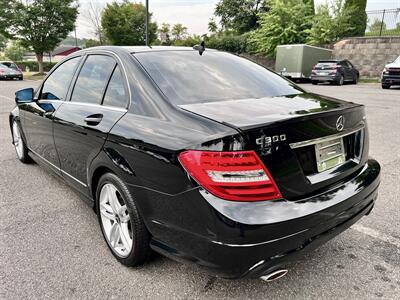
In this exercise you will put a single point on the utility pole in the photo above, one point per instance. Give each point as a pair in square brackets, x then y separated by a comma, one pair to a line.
[76, 40]
[147, 22]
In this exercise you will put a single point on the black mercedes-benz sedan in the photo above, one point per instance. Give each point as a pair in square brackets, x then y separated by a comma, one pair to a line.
[207, 158]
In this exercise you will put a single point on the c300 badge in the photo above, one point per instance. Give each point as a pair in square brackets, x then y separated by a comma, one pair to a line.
[267, 142]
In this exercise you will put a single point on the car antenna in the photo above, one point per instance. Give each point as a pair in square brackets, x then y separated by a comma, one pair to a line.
[201, 48]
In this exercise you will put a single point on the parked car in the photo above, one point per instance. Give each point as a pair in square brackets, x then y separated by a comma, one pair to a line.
[9, 70]
[391, 74]
[334, 71]
[207, 158]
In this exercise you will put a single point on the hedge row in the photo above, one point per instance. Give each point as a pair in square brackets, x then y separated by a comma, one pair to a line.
[33, 65]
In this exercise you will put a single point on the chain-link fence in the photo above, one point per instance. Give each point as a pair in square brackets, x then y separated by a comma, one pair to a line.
[383, 22]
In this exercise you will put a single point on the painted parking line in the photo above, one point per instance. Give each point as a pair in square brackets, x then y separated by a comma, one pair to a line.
[377, 235]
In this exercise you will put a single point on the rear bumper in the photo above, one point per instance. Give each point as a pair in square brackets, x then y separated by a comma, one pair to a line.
[325, 78]
[233, 248]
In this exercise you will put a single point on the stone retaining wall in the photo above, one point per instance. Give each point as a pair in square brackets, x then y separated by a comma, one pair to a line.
[368, 54]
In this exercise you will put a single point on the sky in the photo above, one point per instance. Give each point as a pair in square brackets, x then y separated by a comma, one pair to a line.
[194, 14]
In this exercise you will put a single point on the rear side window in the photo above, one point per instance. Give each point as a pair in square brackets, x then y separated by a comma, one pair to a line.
[56, 85]
[92, 79]
[116, 94]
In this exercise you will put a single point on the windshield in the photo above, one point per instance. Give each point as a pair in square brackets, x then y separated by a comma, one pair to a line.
[185, 77]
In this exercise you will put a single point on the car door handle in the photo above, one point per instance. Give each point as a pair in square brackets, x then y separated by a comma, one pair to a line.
[93, 119]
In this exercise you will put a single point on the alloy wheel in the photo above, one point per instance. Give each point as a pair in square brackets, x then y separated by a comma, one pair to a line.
[17, 140]
[115, 220]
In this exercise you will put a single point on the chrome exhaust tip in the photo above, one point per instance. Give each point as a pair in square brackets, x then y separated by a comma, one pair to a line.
[274, 275]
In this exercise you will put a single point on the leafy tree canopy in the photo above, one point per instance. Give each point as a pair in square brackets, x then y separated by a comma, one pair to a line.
[239, 15]
[38, 24]
[15, 51]
[286, 22]
[3, 42]
[124, 23]
[330, 23]
[179, 31]
[358, 19]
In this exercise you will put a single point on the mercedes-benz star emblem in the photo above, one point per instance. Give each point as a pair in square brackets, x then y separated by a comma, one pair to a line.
[340, 123]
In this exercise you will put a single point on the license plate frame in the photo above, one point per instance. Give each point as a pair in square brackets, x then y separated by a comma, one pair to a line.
[330, 154]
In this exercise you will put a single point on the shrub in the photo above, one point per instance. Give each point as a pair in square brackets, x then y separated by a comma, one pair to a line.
[33, 65]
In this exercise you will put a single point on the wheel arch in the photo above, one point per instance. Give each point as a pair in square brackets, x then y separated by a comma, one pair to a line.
[94, 181]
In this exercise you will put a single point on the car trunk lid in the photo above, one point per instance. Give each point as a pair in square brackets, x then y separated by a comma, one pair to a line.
[289, 132]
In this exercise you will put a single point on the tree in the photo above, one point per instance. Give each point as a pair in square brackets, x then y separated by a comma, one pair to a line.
[38, 24]
[3, 42]
[358, 17]
[239, 15]
[124, 24]
[286, 22]
[93, 14]
[92, 43]
[15, 51]
[212, 26]
[377, 25]
[311, 5]
[330, 23]
[164, 32]
[179, 31]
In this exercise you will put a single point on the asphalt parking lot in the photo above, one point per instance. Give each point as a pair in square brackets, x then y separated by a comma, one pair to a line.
[51, 245]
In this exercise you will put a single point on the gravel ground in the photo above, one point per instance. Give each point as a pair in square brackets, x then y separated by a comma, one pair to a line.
[51, 245]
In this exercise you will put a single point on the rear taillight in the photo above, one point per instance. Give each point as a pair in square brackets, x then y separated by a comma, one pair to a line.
[238, 176]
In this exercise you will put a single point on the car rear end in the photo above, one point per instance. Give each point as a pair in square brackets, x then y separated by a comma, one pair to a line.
[326, 71]
[296, 174]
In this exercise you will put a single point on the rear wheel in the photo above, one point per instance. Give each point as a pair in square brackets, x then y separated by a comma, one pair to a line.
[340, 81]
[121, 224]
[385, 86]
[314, 82]
[19, 144]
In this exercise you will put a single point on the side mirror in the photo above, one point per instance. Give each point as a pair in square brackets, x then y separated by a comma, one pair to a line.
[24, 96]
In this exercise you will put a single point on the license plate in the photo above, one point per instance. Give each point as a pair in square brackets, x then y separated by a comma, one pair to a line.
[330, 154]
[323, 73]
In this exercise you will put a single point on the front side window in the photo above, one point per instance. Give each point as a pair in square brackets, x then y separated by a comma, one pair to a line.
[116, 95]
[57, 84]
[92, 79]
[185, 77]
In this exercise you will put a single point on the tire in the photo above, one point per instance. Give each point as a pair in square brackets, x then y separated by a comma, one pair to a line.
[19, 143]
[385, 86]
[355, 80]
[314, 82]
[340, 81]
[124, 228]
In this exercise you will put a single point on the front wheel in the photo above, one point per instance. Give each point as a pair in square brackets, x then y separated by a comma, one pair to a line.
[385, 86]
[19, 144]
[121, 224]
[314, 82]
[355, 79]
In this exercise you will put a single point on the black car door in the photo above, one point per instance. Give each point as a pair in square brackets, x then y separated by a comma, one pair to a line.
[348, 75]
[81, 125]
[38, 115]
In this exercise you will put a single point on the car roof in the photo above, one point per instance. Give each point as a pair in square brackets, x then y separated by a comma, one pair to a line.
[331, 60]
[139, 49]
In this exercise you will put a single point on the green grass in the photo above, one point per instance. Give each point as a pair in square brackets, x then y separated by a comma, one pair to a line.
[369, 80]
[33, 76]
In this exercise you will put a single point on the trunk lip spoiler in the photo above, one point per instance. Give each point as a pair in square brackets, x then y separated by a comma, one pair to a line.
[340, 134]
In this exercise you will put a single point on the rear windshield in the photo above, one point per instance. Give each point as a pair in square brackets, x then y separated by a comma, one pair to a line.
[185, 77]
